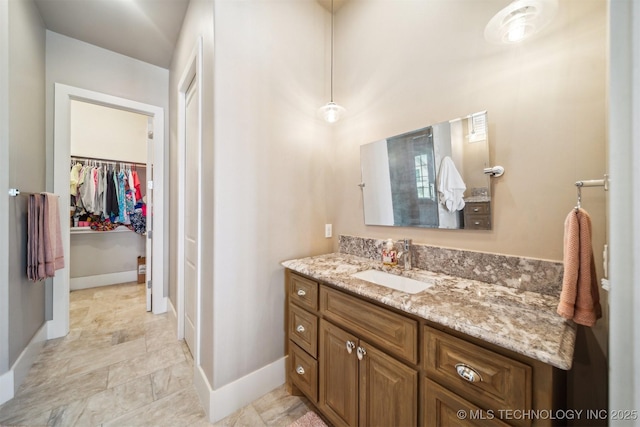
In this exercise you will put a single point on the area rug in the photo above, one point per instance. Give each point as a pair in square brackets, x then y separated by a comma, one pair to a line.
[310, 419]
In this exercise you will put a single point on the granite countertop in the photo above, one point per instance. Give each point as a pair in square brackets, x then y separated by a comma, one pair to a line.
[522, 321]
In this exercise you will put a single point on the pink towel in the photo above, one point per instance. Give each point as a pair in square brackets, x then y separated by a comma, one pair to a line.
[32, 236]
[53, 253]
[580, 299]
[44, 241]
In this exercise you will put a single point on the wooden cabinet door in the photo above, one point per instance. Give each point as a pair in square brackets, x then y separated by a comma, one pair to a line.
[443, 408]
[338, 375]
[388, 390]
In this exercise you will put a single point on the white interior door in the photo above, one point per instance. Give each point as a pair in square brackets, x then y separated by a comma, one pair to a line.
[149, 220]
[191, 232]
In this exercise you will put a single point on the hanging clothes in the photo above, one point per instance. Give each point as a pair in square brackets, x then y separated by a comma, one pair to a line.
[122, 202]
[87, 189]
[112, 206]
[74, 177]
[136, 186]
[106, 197]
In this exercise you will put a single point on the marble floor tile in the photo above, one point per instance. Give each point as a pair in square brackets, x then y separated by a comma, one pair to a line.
[171, 379]
[181, 408]
[38, 400]
[279, 408]
[106, 405]
[122, 366]
[145, 364]
[105, 357]
[245, 417]
[45, 371]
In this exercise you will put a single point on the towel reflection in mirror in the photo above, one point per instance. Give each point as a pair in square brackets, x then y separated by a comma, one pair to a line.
[451, 187]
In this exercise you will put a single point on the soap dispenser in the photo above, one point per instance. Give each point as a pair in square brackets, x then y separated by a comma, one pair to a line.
[389, 254]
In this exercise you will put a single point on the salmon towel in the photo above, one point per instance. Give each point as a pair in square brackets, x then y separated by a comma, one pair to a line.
[44, 243]
[579, 299]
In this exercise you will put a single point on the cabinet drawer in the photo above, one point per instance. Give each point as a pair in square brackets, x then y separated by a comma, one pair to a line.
[493, 380]
[303, 329]
[442, 408]
[477, 208]
[388, 330]
[303, 292]
[304, 372]
[477, 222]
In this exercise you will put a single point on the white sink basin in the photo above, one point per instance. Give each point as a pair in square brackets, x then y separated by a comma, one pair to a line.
[400, 283]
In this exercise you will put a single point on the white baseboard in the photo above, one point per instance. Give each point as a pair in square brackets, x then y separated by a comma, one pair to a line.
[6, 387]
[11, 380]
[86, 282]
[229, 398]
[203, 389]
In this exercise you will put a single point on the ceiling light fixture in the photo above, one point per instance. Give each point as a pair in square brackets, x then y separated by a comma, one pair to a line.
[520, 20]
[331, 112]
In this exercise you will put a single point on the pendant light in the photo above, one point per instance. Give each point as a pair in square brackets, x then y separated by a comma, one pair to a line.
[519, 20]
[331, 112]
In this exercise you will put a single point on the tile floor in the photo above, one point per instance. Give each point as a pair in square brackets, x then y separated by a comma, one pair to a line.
[121, 366]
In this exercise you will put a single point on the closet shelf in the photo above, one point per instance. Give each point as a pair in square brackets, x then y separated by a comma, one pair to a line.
[88, 230]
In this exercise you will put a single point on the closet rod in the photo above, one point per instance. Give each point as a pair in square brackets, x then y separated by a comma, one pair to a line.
[115, 162]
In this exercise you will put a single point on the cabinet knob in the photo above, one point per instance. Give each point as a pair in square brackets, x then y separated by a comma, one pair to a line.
[301, 292]
[300, 370]
[300, 329]
[468, 373]
[350, 346]
[361, 353]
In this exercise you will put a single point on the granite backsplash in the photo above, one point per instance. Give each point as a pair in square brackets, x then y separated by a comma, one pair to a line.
[527, 274]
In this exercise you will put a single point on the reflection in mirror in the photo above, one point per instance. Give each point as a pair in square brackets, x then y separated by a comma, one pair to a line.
[430, 177]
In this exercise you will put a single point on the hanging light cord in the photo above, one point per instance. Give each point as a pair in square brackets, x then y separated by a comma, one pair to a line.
[331, 50]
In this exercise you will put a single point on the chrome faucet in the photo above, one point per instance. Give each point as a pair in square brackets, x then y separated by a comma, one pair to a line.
[406, 253]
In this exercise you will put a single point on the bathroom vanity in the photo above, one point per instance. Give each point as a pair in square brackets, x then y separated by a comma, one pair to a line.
[458, 352]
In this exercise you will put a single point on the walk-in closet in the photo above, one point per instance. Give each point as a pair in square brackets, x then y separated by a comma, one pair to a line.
[108, 204]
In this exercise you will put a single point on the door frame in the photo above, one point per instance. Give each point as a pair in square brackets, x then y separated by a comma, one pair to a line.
[193, 70]
[63, 95]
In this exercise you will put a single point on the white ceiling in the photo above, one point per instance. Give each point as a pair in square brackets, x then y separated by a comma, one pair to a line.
[143, 29]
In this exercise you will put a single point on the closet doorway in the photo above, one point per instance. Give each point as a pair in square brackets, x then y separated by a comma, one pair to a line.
[148, 165]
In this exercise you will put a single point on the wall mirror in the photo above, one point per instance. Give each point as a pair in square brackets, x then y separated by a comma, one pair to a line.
[430, 177]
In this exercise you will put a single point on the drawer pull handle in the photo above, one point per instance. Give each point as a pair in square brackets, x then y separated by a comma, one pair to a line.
[301, 292]
[477, 223]
[350, 346]
[361, 353]
[468, 373]
[300, 370]
[300, 329]
[476, 209]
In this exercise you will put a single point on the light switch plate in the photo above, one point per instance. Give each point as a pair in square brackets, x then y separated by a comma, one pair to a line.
[328, 232]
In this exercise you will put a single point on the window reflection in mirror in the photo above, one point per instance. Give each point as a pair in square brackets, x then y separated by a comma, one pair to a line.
[430, 177]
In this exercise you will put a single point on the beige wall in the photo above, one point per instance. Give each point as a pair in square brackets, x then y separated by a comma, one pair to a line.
[264, 156]
[271, 155]
[26, 171]
[402, 65]
[4, 183]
